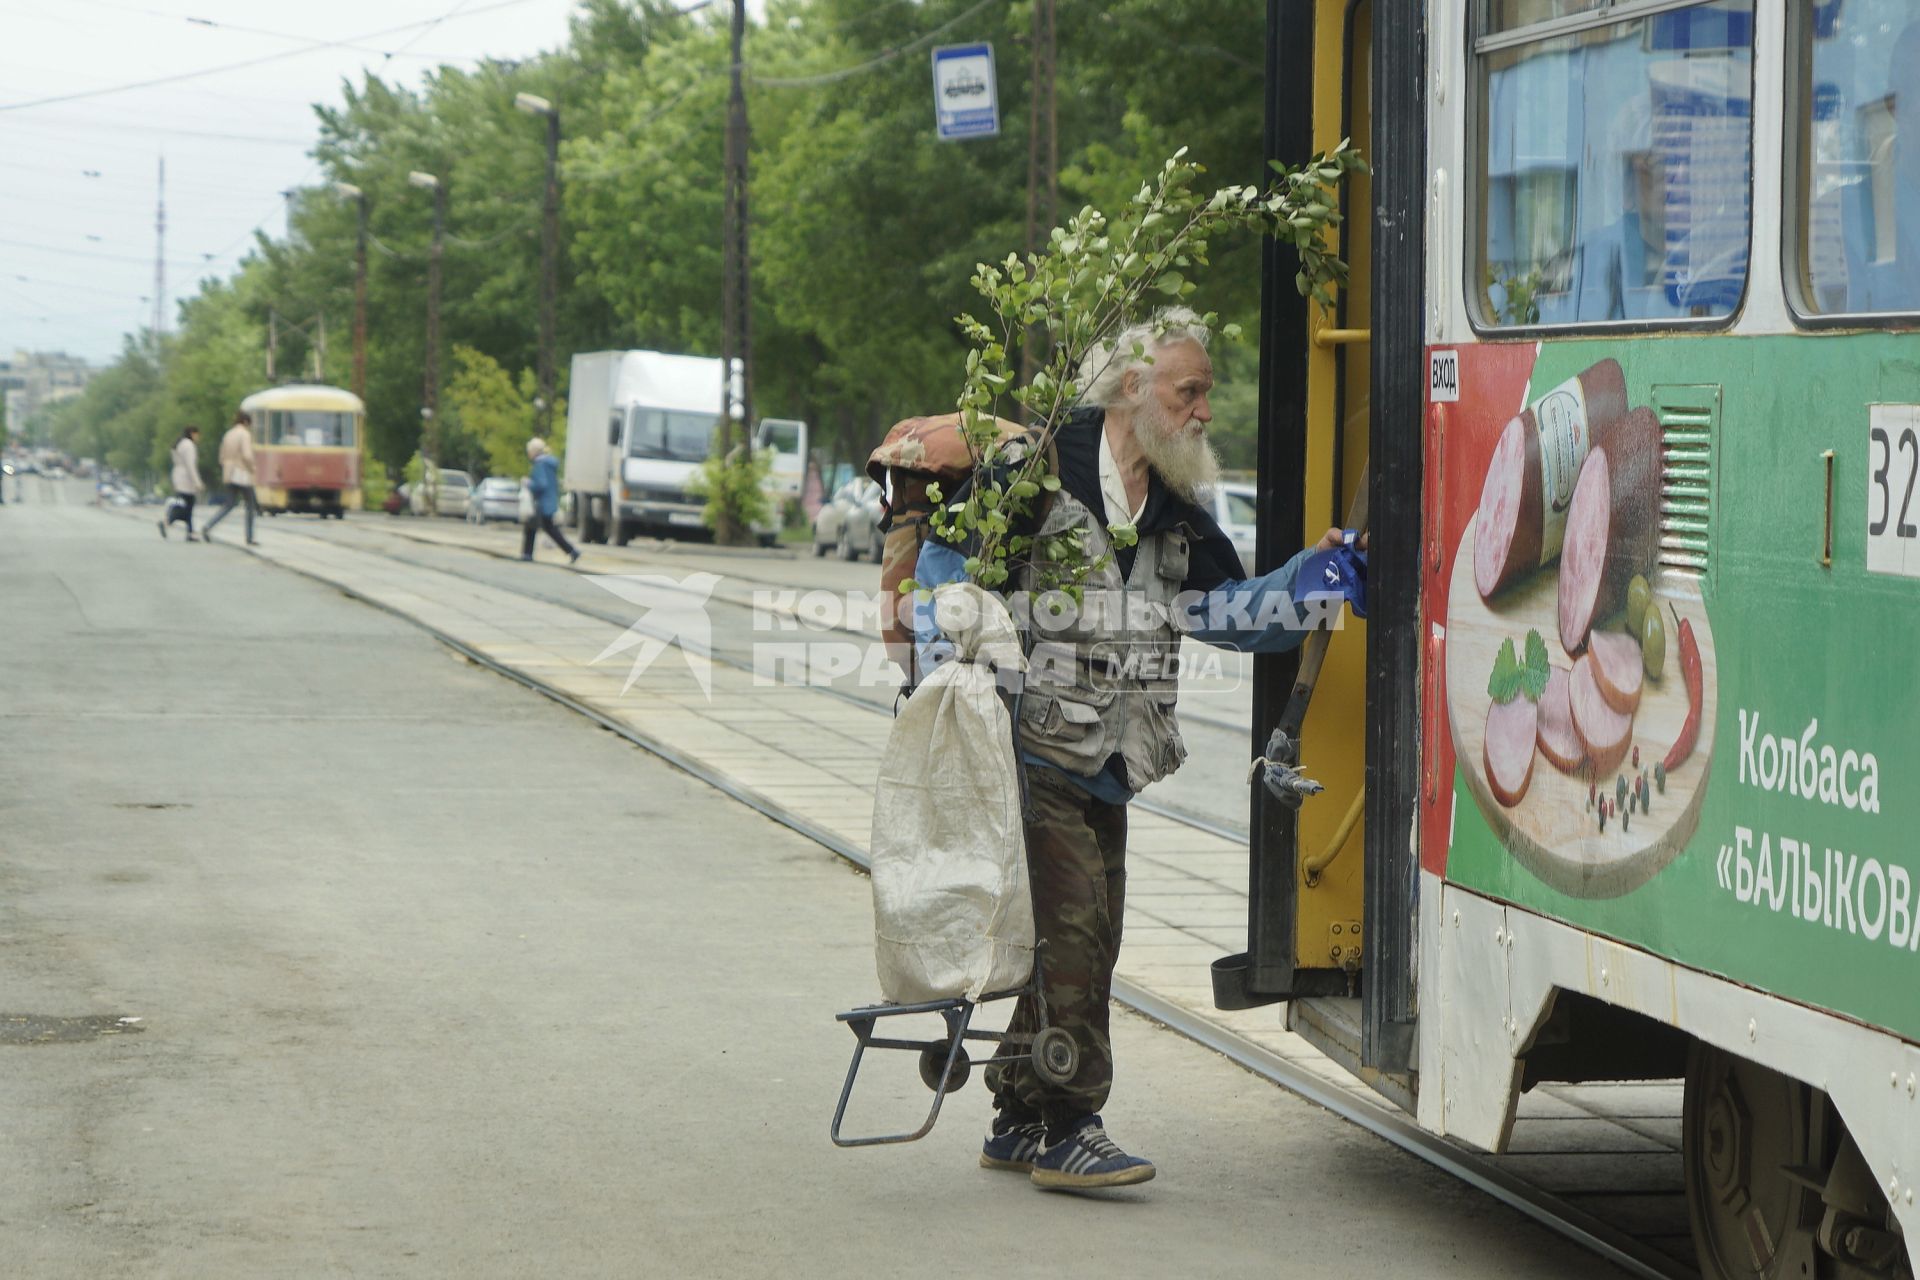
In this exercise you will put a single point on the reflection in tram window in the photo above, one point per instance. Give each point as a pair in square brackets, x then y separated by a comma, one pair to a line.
[1618, 170]
[1507, 15]
[1860, 224]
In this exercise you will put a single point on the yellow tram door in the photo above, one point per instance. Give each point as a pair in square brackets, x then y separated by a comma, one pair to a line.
[1306, 937]
[1333, 739]
[1330, 832]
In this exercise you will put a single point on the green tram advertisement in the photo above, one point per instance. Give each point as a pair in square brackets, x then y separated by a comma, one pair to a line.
[1670, 584]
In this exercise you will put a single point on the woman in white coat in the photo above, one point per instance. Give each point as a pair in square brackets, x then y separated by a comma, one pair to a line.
[186, 482]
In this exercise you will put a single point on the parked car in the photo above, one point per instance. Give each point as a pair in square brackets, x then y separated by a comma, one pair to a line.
[849, 523]
[1234, 507]
[496, 498]
[455, 489]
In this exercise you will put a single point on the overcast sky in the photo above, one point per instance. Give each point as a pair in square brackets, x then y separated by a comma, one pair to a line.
[77, 179]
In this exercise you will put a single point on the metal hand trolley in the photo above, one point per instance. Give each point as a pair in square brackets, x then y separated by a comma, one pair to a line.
[944, 1063]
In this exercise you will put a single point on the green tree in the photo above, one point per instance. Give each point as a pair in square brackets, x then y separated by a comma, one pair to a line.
[496, 409]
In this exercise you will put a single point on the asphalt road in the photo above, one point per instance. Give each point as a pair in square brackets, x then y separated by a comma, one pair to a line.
[327, 954]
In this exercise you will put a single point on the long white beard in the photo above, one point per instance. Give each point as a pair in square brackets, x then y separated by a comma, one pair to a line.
[1185, 462]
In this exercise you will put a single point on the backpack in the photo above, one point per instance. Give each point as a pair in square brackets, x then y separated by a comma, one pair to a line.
[916, 453]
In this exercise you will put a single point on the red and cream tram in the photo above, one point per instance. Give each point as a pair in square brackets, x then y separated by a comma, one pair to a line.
[306, 443]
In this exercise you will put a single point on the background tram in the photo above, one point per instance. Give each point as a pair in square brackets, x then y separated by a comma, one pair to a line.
[1630, 334]
[306, 442]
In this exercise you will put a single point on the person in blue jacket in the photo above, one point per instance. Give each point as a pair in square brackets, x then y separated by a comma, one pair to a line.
[545, 485]
[1097, 719]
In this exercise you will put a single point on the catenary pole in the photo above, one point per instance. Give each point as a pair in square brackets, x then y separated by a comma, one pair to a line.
[544, 361]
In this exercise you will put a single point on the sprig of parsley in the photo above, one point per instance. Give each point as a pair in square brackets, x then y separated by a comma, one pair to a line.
[1511, 676]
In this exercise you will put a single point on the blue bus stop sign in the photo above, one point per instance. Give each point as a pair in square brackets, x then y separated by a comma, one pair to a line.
[966, 99]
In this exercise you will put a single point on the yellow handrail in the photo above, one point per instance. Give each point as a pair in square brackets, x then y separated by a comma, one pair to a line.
[1316, 865]
[1338, 337]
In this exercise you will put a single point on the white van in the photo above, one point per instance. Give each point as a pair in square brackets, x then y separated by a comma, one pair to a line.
[639, 424]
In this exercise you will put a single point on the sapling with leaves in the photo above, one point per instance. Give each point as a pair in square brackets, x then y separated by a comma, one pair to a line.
[1097, 276]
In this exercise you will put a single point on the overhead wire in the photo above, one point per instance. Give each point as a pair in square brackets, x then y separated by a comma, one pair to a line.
[121, 126]
[457, 7]
[176, 78]
[91, 253]
[884, 57]
[69, 285]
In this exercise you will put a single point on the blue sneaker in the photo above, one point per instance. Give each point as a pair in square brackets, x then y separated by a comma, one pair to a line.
[1087, 1159]
[1012, 1147]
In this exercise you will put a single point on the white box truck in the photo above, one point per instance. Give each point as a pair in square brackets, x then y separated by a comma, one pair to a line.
[639, 424]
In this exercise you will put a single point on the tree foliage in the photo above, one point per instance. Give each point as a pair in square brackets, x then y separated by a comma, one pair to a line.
[866, 229]
[1097, 276]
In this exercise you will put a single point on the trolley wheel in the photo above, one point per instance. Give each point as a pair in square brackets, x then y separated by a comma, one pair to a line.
[933, 1061]
[1055, 1056]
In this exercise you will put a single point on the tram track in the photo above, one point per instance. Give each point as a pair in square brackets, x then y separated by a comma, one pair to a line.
[1387, 1122]
[366, 540]
[1187, 716]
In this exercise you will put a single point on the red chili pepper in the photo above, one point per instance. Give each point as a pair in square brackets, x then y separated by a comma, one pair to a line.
[1690, 669]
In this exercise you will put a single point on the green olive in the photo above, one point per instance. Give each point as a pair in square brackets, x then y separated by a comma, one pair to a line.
[1639, 596]
[1653, 643]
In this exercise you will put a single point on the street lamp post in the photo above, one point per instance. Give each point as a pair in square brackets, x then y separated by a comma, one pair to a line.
[430, 406]
[549, 252]
[359, 199]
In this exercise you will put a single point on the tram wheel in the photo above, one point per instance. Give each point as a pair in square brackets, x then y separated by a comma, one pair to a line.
[1055, 1056]
[1743, 1127]
[934, 1061]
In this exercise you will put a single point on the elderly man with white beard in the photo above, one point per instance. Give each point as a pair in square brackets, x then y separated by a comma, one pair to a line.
[1097, 721]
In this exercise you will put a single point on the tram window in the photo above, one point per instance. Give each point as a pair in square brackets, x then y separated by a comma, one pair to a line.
[1859, 173]
[1616, 164]
[313, 428]
[660, 433]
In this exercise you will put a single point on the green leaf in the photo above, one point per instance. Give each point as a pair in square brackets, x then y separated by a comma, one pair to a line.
[1504, 683]
[1536, 672]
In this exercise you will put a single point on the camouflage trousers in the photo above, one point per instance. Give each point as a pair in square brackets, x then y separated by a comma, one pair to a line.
[1076, 863]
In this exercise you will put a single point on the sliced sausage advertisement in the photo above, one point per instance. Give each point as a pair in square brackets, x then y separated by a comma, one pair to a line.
[1530, 481]
[1612, 529]
[1573, 730]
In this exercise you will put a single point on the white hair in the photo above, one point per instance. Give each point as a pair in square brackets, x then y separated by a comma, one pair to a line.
[1104, 370]
[536, 447]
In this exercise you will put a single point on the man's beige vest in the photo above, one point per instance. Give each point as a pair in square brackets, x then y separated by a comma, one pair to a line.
[1103, 678]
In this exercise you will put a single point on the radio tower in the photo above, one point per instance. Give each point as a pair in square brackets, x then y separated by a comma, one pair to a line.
[160, 256]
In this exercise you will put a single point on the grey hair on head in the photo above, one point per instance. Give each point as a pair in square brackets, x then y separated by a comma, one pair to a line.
[1104, 371]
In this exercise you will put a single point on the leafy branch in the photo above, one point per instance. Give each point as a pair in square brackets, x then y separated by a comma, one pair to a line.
[1096, 277]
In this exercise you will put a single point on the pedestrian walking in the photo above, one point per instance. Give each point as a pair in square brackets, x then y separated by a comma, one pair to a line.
[236, 468]
[545, 486]
[187, 484]
[1133, 453]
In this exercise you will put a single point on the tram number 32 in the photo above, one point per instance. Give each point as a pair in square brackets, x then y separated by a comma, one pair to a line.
[1893, 475]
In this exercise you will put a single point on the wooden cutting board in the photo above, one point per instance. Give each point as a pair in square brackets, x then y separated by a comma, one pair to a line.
[1551, 831]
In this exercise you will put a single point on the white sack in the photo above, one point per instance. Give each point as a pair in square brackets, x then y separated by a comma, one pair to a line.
[952, 913]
